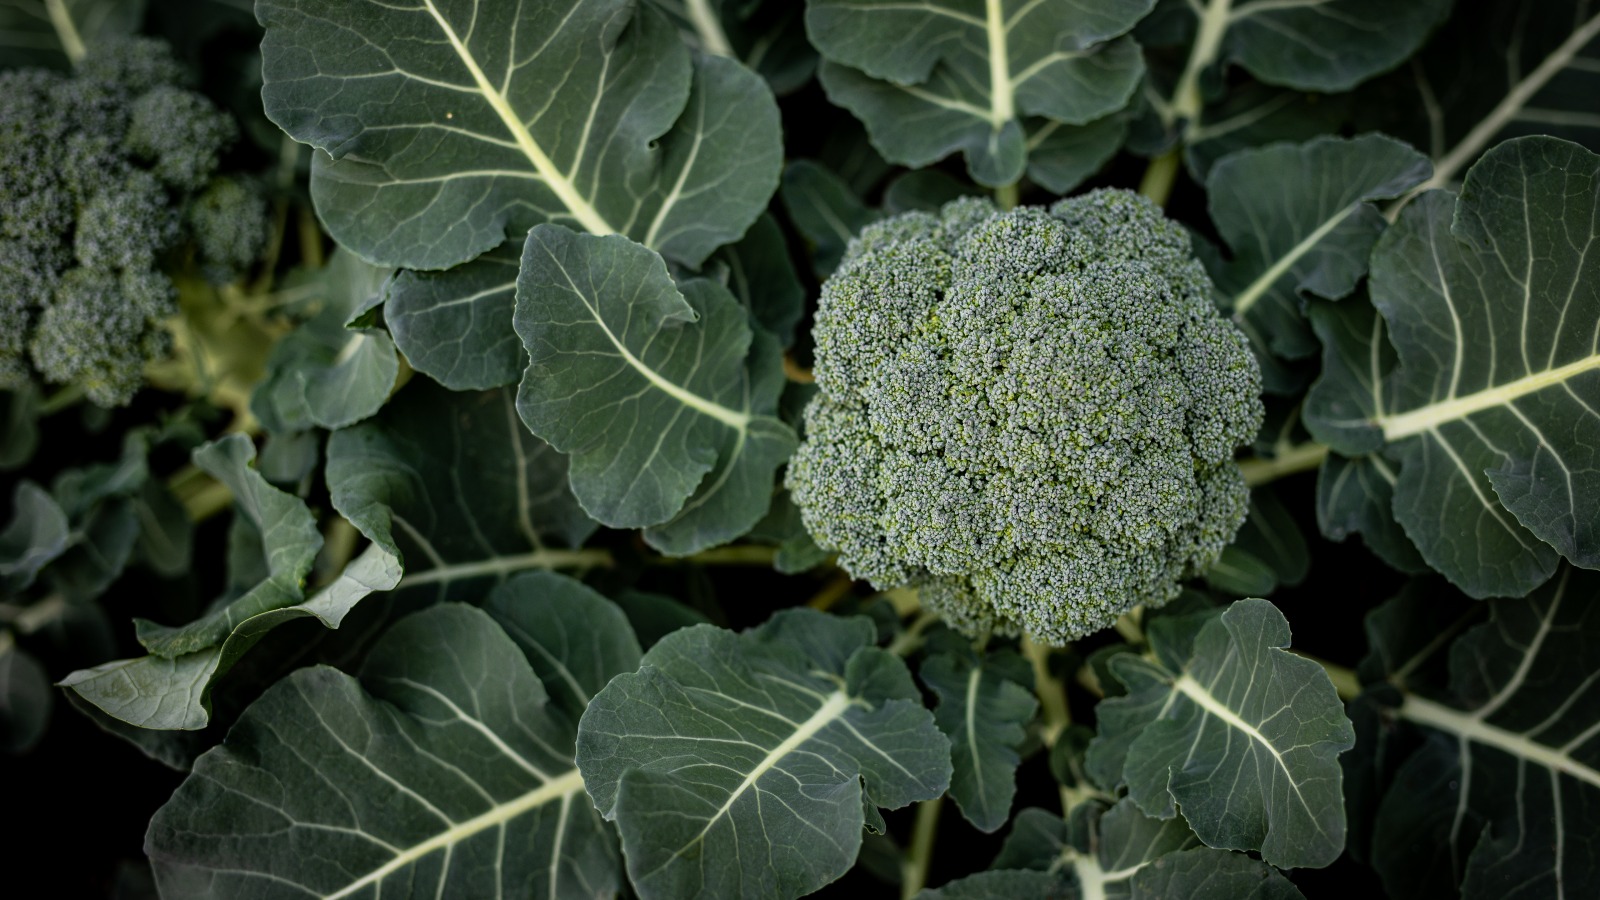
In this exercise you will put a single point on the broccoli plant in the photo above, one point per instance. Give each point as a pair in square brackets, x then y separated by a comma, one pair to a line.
[679, 448]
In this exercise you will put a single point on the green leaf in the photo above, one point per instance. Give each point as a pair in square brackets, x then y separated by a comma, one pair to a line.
[1003, 884]
[450, 772]
[766, 35]
[1494, 436]
[289, 543]
[824, 209]
[454, 487]
[737, 764]
[452, 126]
[984, 706]
[758, 271]
[1061, 157]
[1354, 497]
[1222, 702]
[1269, 551]
[1299, 219]
[1499, 797]
[575, 639]
[1256, 115]
[37, 534]
[1204, 874]
[174, 692]
[455, 326]
[323, 374]
[646, 389]
[32, 34]
[1241, 573]
[934, 77]
[25, 697]
[19, 426]
[654, 616]
[1543, 81]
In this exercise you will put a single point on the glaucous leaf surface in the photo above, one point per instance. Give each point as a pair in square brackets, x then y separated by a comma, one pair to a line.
[455, 326]
[1255, 115]
[934, 77]
[1492, 410]
[824, 210]
[984, 706]
[1501, 797]
[574, 639]
[1223, 702]
[323, 374]
[738, 764]
[646, 386]
[1300, 221]
[450, 126]
[455, 488]
[768, 36]
[1497, 69]
[445, 770]
[757, 270]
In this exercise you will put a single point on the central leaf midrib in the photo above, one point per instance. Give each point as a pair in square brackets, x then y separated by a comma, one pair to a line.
[1470, 728]
[569, 783]
[1263, 282]
[1423, 419]
[559, 183]
[1201, 696]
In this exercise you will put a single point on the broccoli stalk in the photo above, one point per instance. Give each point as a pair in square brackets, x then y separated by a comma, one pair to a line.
[1029, 416]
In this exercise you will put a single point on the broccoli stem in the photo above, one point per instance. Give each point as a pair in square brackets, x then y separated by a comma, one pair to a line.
[1056, 715]
[1160, 175]
[66, 32]
[1006, 195]
[909, 641]
[1287, 461]
[737, 555]
[60, 400]
[914, 871]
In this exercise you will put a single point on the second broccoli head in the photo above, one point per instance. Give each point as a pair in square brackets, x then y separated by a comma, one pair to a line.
[1029, 416]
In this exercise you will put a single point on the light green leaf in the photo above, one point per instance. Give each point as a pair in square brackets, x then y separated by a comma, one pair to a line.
[1498, 798]
[37, 534]
[453, 486]
[289, 543]
[984, 706]
[1232, 707]
[933, 77]
[1299, 219]
[450, 126]
[824, 209]
[174, 692]
[323, 374]
[455, 326]
[736, 765]
[646, 388]
[765, 35]
[1544, 80]
[451, 770]
[1492, 414]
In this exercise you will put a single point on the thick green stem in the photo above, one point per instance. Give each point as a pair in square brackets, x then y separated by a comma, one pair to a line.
[906, 642]
[1287, 461]
[66, 31]
[914, 870]
[1055, 715]
[68, 396]
[1160, 175]
[1006, 195]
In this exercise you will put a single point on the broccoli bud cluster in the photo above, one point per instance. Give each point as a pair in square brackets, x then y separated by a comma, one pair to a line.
[1030, 416]
[103, 175]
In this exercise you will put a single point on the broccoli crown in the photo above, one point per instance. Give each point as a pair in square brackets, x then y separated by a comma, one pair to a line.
[229, 223]
[97, 173]
[1030, 416]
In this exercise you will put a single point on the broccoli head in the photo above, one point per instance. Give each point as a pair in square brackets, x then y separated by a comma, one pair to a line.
[99, 329]
[1030, 416]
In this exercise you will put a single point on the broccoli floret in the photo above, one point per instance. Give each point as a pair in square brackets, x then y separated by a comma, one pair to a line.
[100, 328]
[98, 172]
[1030, 416]
[230, 227]
[180, 134]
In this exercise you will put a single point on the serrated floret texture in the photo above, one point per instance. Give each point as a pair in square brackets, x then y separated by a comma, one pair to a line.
[1030, 416]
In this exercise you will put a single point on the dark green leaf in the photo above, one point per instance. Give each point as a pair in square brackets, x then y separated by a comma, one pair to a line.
[455, 326]
[983, 709]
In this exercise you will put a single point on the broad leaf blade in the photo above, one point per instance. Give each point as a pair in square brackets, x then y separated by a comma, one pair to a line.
[931, 78]
[645, 386]
[824, 209]
[1493, 420]
[738, 765]
[575, 639]
[1239, 710]
[453, 777]
[455, 326]
[984, 706]
[633, 138]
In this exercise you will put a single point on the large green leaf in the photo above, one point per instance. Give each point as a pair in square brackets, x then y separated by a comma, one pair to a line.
[1498, 69]
[825, 211]
[1493, 410]
[575, 639]
[645, 386]
[766, 35]
[1300, 221]
[452, 125]
[1222, 702]
[446, 770]
[1501, 797]
[455, 487]
[933, 77]
[984, 707]
[455, 326]
[737, 765]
